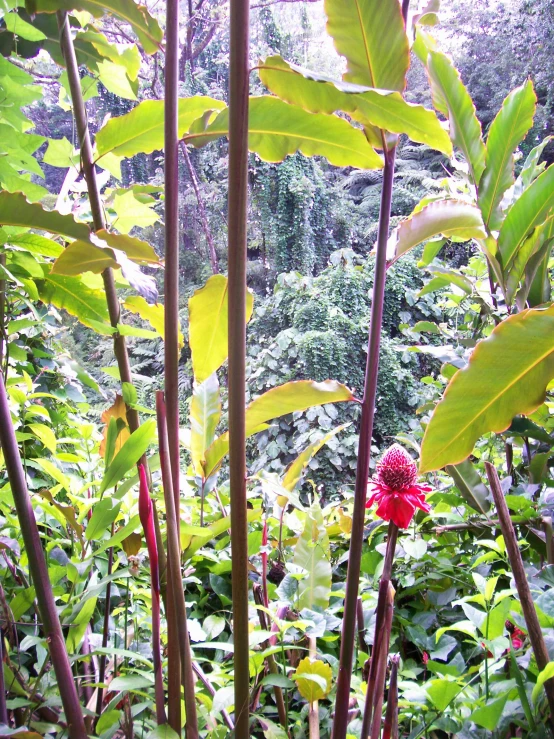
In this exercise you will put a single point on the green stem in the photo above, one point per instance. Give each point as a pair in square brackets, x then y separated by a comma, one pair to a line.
[237, 220]
[39, 572]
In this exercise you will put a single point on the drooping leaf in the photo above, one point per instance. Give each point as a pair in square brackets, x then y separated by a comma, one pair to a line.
[442, 693]
[296, 468]
[527, 212]
[81, 257]
[507, 131]
[507, 375]
[79, 300]
[312, 553]
[448, 218]
[205, 412]
[489, 715]
[370, 34]
[531, 168]
[104, 514]
[386, 110]
[277, 129]
[142, 130]
[136, 249]
[533, 250]
[313, 679]
[544, 675]
[115, 79]
[129, 454]
[15, 210]
[35, 244]
[208, 339]
[137, 16]
[470, 485]
[287, 398]
[452, 99]
[16, 24]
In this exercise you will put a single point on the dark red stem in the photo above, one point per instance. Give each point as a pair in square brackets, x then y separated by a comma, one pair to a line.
[3, 708]
[390, 728]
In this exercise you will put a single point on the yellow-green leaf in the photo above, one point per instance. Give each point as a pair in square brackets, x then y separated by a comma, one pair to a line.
[313, 679]
[205, 412]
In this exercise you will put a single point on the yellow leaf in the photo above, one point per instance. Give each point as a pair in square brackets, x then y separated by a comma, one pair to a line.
[313, 679]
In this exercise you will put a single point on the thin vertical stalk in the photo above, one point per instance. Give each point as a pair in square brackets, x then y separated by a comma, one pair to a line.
[39, 572]
[171, 216]
[380, 673]
[3, 707]
[362, 646]
[2, 308]
[105, 633]
[364, 451]
[390, 729]
[527, 605]
[237, 223]
[174, 570]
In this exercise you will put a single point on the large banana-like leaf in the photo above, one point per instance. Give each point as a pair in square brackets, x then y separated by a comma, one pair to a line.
[137, 16]
[208, 337]
[296, 468]
[384, 109]
[530, 210]
[506, 376]
[448, 218]
[507, 131]
[471, 487]
[277, 129]
[205, 412]
[142, 130]
[287, 398]
[370, 34]
[527, 260]
[312, 553]
[452, 99]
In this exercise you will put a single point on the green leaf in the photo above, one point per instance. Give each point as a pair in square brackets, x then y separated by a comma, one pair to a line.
[129, 58]
[296, 468]
[132, 212]
[471, 487]
[142, 130]
[35, 244]
[531, 257]
[60, 153]
[79, 300]
[114, 78]
[442, 693]
[154, 314]
[131, 682]
[370, 34]
[319, 94]
[81, 256]
[16, 24]
[277, 129]
[507, 375]
[15, 210]
[205, 412]
[489, 715]
[449, 218]
[452, 99]
[45, 435]
[104, 514]
[313, 679]
[214, 530]
[507, 131]
[528, 212]
[208, 309]
[287, 398]
[531, 168]
[120, 535]
[129, 454]
[312, 553]
[164, 731]
[544, 675]
[137, 16]
[136, 249]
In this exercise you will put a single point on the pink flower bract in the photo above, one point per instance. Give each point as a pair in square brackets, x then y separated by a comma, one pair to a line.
[395, 488]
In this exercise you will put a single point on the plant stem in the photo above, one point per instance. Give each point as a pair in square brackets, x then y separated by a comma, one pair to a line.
[105, 633]
[390, 729]
[527, 606]
[362, 646]
[380, 673]
[39, 572]
[174, 570]
[171, 215]
[3, 708]
[237, 223]
[211, 690]
[313, 714]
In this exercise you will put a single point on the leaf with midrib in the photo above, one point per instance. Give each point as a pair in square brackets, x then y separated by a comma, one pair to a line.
[15, 210]
[506, 376]
[79, 300]
[205, 411]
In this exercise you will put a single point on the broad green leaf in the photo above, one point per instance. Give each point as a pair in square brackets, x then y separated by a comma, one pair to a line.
[448, 218]
[129, 454]
[45, 435]
[131, 212]
[137, 16]
[114, 78]
[544, 675]
[212, 531]
[442, 693]
[120, 535]
[205, 412]
[312, 553]
[154, 314]
[534, 250]
[386, 110]
[35, 244]
[16, 24]
[81, 257]
[277, 129]
[15, 210]
[313, 679]
[142, 130]
[452, 99]
[529, 211]
[370, 34]
[60, 153]
[287, 398]
[128, 58]
[104, 514]
[208, 313]
[79, 300]
[531, 168]
[507, 131]
[507, 375]
[537, 278]
[164, 731]
[471, 487]
[489, 715]
[136, 250]
[296, 468]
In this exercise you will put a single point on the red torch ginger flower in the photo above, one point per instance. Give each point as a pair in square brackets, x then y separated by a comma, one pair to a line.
[395, 488]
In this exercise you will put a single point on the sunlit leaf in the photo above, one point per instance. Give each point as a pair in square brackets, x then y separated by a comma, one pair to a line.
[312, 553]
[129, 454]
[313, 679]
[205, 412]
[15, 210]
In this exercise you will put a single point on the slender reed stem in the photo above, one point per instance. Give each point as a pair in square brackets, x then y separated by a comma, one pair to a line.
[313, 710]
[364, 451]
[390, 729]
[237, 220]
[174, 570]
[211, 690]
[39, 572]
[171, 215]
[362, 646]
[381, 669]
[527, 605]
[3, 708]
[105, 633]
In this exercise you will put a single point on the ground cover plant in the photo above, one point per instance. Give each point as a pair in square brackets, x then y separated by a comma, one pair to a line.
[318, 510]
